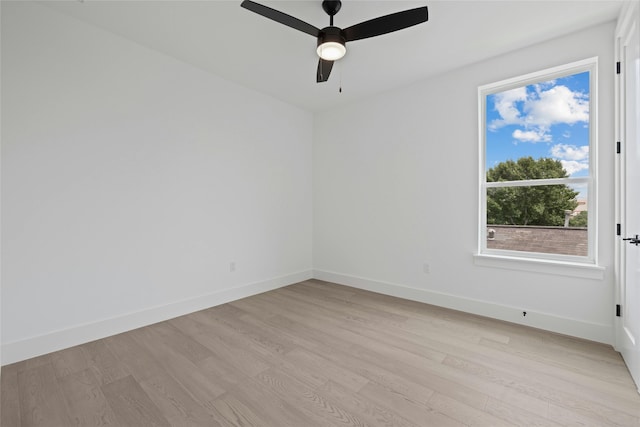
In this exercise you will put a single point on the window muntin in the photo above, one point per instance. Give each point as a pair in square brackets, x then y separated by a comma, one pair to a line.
[537, 139]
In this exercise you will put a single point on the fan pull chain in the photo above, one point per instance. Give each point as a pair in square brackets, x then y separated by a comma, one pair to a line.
[340, 71]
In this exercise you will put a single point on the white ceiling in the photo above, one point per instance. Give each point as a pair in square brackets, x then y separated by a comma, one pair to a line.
[255, 52]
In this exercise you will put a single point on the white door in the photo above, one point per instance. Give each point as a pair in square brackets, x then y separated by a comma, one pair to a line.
[628, 333]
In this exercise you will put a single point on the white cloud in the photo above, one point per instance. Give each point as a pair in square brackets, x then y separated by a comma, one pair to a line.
[556, 105]
[572, 166]
[570, 152]
[506, 105]
[539, 109]
[573, 158]
[531, 135]
[548, 83]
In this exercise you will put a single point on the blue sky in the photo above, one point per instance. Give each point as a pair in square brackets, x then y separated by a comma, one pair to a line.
[547, 119]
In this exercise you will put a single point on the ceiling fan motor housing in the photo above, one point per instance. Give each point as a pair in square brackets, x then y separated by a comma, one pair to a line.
[331, 34]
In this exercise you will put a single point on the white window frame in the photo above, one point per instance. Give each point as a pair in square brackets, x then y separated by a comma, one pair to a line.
[580, 266]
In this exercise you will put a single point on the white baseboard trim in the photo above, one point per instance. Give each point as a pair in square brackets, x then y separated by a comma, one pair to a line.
[549, 322]
[35, 346]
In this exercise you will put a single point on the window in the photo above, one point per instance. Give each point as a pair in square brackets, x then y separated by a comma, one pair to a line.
[537, 166]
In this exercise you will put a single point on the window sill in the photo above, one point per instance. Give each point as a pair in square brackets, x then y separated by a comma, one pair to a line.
[562, 268]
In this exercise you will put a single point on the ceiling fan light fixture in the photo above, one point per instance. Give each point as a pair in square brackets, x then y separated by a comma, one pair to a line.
[331, 51]
[331, 44]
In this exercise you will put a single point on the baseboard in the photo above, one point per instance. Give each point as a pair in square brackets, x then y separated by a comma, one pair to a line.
[35, 346]
[562, 325]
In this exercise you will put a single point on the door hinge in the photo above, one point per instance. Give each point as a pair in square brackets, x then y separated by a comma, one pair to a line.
[618, 310]
[618, 67]
[618, 229]
[618, 147]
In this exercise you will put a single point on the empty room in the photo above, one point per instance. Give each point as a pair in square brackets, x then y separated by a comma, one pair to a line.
[320, 213]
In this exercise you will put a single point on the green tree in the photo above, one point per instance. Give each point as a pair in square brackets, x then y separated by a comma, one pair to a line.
[579, 220]
[534, 205]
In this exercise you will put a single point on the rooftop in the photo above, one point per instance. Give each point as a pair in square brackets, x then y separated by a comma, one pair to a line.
[551, 240]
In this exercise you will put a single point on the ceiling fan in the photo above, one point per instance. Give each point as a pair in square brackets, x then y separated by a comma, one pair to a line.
[332, 40]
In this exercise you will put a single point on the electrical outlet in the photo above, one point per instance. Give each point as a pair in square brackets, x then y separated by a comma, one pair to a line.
[232, 266]
[425, 268]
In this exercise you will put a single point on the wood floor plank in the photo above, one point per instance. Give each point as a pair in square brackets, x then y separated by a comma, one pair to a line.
[34, 362]
[226, 375]
[519, 416]
[318, 354]
[202, 388]
[280, 411]
[584, 385]
[102, 362]
[177, 341]
[298, 395]
[465, 414]
[68, 361]
[274, 341]
[131, 404]
[9, 397]
[87, 404]
[234, 352]
[398, 376]
[177, 404]
[447, 321]
[370, 412]
[536, 370]
[490, 352]
[391, 333]
[417, 411]
[309, 399]
[237, 413]
[596, 410]
[261, 316]
[352, 305]
[416, 321]
[353, 333]
[609, 369]
[345, 356]
[235, 332]
[568, 417]
[332, 371]
[133, 356]
[41, 400]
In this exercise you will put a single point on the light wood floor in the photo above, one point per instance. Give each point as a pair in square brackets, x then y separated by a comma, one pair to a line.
[319, 354]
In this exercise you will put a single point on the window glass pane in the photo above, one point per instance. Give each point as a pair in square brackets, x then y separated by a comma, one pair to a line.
[547, 218]
[539, 130]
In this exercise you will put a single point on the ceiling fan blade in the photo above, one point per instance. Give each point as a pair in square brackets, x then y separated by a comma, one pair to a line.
[280, 17]
[324, 69]
[386, 24]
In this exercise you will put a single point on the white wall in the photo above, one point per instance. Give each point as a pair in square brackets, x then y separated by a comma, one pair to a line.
[131, 181]
[395, 186]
